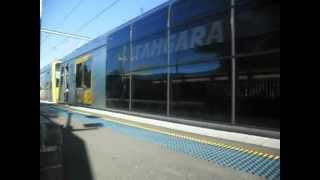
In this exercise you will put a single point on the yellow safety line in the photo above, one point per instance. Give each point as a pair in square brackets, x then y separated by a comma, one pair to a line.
[248, 151]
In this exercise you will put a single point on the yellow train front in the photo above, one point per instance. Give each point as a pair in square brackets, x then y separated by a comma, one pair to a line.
[50, 82]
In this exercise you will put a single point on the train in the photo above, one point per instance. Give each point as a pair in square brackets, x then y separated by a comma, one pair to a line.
[210, 61]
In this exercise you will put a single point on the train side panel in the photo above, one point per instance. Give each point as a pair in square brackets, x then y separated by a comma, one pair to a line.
[98, 71]
[98, 77]
[45, 84]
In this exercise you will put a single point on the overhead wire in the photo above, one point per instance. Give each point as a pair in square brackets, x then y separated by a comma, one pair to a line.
[91, 20]
[65, 18]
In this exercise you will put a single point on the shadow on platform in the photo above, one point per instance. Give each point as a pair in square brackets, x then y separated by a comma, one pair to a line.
[76, 161]
[75, 158]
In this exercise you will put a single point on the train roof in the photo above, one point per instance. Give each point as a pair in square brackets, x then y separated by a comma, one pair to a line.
[102, 40]
[45, 68]
[91, 45]
[48, 66]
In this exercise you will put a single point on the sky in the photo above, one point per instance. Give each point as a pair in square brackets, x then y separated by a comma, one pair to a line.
[72, 16]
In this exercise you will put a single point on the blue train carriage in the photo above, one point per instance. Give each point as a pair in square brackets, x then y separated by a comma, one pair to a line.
[184, 59]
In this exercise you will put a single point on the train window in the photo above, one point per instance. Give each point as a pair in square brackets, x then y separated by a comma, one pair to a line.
[258, 91]
[79, 72]
[83, 76]
[67, 76]
[117, 80]
[150, 41]
[149, 65]
[194, 10]
[257, 26]
[119, 38]
[202, 91]
[203, 39]
[57, 74]
[246, 2]
[151, 24]
[87, 74]
[118, 59]
[150, 52]
[200, 42]
[149, 90]
[117, 91]
[62, 76]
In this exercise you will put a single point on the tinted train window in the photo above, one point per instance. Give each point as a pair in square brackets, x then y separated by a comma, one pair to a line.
[149, 65]
[188, 10]
[149, 91]
[117, 91]
[245, 2]
[257, 26]
[67, 75]
[119, 37]
[150, 41]
[199, 60]
[83, 74]
[200, 43]
[62, 76]
[43, 81]
[258, 91]
[202, 91]
[151, 24]
[57, 74]
[118, 59]
[87, 74]
[118, 62]
[199, 40]
[79, 72]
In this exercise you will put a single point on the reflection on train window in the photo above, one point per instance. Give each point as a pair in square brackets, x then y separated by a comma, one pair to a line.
[202, 91]
[153, 23]
[258, 91]
[67, 75]
[79, 73]
[199, 40]
[87, 74]
[117, 91]
[117, 80]
[83, 76]
[61, 76]
[57, 74]
[149, 65]
[118, 59]
[257, 26]
[119, 37]
[186, 10]
[149, 91]
[150, 41]
[42, 81]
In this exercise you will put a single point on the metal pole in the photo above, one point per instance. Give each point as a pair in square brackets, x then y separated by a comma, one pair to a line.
[233, 65]
[168, 63]
[130, 71]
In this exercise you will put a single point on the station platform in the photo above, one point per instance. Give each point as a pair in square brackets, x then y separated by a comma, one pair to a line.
[162, 150]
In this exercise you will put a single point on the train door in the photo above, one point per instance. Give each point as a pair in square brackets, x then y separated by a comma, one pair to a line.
[65, 86]
[55, 81]
[84, 93]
